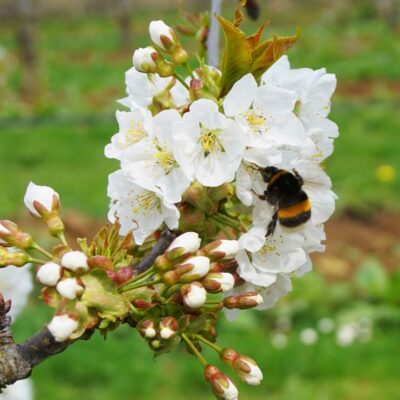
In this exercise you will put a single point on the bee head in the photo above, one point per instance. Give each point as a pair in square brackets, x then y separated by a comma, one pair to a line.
[268, 172]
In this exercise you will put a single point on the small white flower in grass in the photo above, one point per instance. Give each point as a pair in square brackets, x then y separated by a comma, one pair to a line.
[309, 336]
[134, 126]
[326, 325]
[20, 390]
[161, 33]
[265, 112]
[16, 285]
[346, 334]
[209, 145]
[69, 288]
[189, 242]
[279, 340]
[75, 260]
[62, 327]
[194, 295]
[152, 164]
[38, 197]
[49, 274]
[143, 61]
[138, 210]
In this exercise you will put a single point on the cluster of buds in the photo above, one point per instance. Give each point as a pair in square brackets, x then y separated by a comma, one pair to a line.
[152, 59]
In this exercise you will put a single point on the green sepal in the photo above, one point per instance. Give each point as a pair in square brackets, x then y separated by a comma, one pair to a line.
[167, 346]
[102, 294]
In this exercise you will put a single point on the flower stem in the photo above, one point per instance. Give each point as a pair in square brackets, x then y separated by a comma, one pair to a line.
[140, 276]
[196, 352]
[209, 344]
[181, 80]
[40, 249]
[229, 220]
[139, 285]
[189, 69]
[37, 261]
[61, 236]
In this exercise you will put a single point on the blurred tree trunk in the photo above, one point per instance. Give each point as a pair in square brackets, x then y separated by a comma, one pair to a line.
[123, 15]
[25, 38]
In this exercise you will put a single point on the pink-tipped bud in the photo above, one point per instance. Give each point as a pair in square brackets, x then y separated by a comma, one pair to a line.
[222, 386]
[194, 295]
[123, 275]
[143, 61]
[218, 282]
[15, 258]
[168, 327]
[243, 301]
[162, 35]
[199, 267]
[11, 235]
[147, 328]
[62, 327]
[247, 369]
[183, 245]
[69, 288]
[75, 261]
[221, 249]
[49, 274]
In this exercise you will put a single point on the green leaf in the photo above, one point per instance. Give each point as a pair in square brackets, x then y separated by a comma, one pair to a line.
[101, 294]
[236, 60]
[269, 51]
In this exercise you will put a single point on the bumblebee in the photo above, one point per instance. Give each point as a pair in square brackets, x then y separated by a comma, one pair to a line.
[285, 193]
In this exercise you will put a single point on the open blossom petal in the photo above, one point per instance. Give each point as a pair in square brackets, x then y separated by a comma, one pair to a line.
[20, 390]
[210, 146]
[137, 209]
[133, 128]
[16, 285]
[152, 164]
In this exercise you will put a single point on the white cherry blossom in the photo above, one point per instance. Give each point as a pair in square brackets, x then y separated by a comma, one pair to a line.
[137, 209]
[152, 164]
[210, 146]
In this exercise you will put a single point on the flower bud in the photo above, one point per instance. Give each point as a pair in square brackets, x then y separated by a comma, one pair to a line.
[40, 200]
[143, 61]
[147, 328]
[15, 258]
[69, 288]
[221, 249]
[183, 245]
[142, 304]
[247, 369]
[243, 301]
[11, 235]
[162, 35]
[168, 327]
[194, 295]
[222, 386]
[123, 275]
[49, 274]
[62, 327]
[218, 282]
[74, 261]
[197, 195]
[100, 262]
[199, 267]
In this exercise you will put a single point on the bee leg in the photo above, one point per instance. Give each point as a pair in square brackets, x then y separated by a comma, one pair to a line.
[298, 177]
[272, 224]
[260, 196]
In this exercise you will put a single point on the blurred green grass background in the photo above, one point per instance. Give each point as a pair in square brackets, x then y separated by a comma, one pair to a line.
[58, 138]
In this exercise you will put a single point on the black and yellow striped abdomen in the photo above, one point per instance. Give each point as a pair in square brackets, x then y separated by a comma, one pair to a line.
[296, 214]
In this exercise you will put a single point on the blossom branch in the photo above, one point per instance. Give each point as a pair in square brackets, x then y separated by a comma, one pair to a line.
[165, 240]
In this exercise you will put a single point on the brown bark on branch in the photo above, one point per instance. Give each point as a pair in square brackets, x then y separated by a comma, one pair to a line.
[18, 360]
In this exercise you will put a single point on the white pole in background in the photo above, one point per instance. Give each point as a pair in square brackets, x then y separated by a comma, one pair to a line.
[213, 36]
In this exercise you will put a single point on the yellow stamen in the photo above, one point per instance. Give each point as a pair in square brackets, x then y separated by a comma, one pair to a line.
[209, 140]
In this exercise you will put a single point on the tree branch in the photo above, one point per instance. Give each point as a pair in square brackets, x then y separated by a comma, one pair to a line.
[165, 240]
[18, 360]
